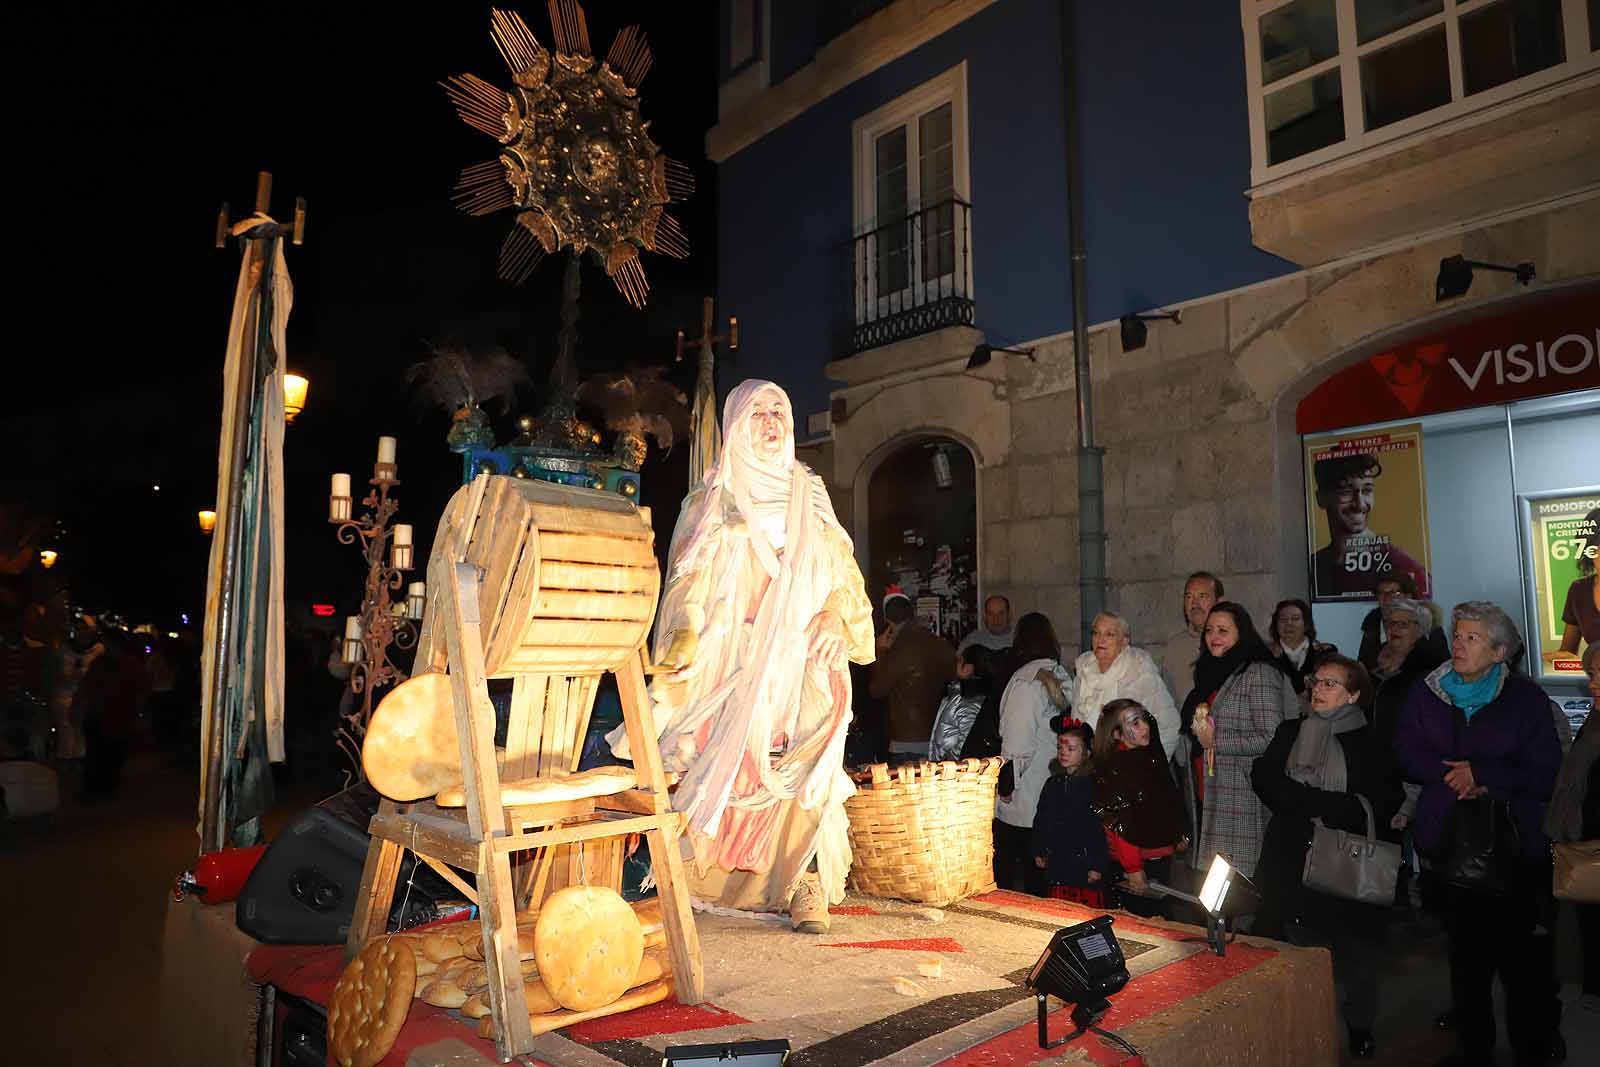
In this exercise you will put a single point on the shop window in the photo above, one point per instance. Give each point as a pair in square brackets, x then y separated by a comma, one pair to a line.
[1331, 77]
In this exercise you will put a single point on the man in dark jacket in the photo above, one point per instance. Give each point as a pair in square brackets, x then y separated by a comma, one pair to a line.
[1472, 731]
[912, 669]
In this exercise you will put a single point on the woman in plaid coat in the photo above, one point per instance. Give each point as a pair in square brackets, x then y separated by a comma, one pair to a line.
[1248, 696]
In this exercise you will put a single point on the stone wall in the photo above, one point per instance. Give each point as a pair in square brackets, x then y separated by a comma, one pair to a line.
[1202, 465]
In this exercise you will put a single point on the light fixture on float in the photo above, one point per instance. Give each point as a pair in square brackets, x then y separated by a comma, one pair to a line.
[1224, 895]
[1082, 966]
[1455, 275]
[208, 521]
[773, 1053]
[47, 558]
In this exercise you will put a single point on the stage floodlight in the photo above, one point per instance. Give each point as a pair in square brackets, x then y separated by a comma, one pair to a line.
[721, 1054]
[1224, 895]
[1082, 966]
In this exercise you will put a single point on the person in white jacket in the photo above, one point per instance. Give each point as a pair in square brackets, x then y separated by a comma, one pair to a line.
[1113, 669]
[1035, 694]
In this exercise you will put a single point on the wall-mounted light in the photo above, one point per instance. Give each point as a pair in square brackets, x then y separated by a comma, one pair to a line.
[294, 396]
[983, 353]
[1135, 332]
[208, 521]
[1455, 275]
[47, 558]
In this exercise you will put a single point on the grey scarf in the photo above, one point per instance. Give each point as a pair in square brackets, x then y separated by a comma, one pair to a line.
[1315, 759]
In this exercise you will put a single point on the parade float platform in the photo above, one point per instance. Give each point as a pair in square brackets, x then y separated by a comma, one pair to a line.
[841, 1000]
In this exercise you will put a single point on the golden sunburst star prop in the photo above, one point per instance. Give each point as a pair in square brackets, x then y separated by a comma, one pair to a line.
[578, 164]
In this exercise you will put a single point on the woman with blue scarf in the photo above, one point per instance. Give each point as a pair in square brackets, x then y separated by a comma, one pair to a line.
[1470, 729]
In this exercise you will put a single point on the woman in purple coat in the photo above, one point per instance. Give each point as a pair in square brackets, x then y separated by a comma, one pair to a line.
[1473, 729]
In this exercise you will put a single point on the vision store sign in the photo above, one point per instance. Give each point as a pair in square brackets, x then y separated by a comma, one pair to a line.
[1537, 347]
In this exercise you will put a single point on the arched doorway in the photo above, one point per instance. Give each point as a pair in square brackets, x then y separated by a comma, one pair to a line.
[922, 531]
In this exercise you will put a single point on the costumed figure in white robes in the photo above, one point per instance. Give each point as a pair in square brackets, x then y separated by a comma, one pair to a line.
[763, 610]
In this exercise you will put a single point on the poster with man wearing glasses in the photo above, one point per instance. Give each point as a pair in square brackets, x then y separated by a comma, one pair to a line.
[1368, 512]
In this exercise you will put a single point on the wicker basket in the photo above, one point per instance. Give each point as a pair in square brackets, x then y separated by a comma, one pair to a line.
[923, 832]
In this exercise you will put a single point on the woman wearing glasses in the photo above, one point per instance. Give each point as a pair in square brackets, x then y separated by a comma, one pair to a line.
[1316, 768]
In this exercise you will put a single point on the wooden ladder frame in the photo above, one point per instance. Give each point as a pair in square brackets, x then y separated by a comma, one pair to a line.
[485, 840]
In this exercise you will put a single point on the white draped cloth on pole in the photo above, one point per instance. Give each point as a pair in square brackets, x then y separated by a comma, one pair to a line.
[255, 664]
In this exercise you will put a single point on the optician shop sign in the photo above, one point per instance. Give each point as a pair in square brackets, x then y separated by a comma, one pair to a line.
[1536, 347]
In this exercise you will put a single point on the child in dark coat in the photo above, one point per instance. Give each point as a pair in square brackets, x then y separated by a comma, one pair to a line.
[1069, 843]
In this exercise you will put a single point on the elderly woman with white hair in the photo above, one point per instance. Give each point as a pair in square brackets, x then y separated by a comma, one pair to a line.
[1473, 733]
[1113, 669]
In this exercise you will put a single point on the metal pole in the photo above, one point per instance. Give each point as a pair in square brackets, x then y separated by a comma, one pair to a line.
[1091, 469]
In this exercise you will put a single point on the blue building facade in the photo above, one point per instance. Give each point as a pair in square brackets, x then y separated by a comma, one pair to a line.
[1289, 174]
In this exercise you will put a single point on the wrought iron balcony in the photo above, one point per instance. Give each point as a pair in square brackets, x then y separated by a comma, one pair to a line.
[908, 277]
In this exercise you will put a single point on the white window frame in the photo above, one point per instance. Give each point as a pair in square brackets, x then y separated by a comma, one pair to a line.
[1580, 64]
[949, 87]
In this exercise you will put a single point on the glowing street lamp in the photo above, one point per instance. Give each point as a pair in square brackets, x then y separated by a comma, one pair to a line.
[294, 395]
[208, 522]
[47, 558]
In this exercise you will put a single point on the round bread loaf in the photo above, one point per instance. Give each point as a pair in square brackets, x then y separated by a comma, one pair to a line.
[588, 944]
[411, 750]
[370, 1003]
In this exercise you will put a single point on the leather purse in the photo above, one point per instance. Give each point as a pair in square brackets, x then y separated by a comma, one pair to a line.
[1481, 853]
[1352, 866]
[1576, 875]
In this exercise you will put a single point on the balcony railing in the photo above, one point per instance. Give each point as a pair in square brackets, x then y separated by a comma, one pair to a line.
[909, 277]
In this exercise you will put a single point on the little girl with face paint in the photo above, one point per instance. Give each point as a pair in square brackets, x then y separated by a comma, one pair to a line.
[1135, 795]
[1069, 843]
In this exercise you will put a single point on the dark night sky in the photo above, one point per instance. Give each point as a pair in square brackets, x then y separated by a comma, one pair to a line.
[131, 122]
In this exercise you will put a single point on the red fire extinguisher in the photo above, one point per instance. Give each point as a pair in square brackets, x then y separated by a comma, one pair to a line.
[219, 876]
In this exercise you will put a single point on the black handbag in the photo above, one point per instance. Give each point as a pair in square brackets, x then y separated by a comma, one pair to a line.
[1481, 850]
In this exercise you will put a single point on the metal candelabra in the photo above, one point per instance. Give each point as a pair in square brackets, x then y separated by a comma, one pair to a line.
[389, 554]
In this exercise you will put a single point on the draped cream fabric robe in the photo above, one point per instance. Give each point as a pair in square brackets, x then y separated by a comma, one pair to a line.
[756, 725]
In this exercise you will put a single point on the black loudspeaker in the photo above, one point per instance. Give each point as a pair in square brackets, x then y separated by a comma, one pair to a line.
[303, 890]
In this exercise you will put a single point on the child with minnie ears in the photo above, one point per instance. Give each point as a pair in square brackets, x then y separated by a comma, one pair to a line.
[1135, 796]
[1069, 842]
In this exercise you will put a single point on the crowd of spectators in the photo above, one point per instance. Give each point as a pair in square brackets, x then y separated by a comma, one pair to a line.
[1127, 773]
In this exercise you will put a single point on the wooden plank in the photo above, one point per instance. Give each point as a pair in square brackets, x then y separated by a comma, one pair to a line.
[566, 604]
[474, 712]
[565, 661]
[445, 871]
[523, 725]
[665, 859]
[582, 689]
[517, 605]
[574, 496]
[637, 801]
[584, 633]
[583, 519]
[552, 728]
[375, 896]
[613, 578]
[589, 831]
[443, 839]
[522, 816]
[632, 551]
[496, 550]
[497, 911]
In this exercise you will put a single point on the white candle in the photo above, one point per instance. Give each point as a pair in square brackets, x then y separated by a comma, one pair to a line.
[418, 589]
[402, 534]
[341, 485]
[352, 628]
[385, 450]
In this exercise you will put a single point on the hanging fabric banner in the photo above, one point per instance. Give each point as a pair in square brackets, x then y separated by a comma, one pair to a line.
[1366, 512]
